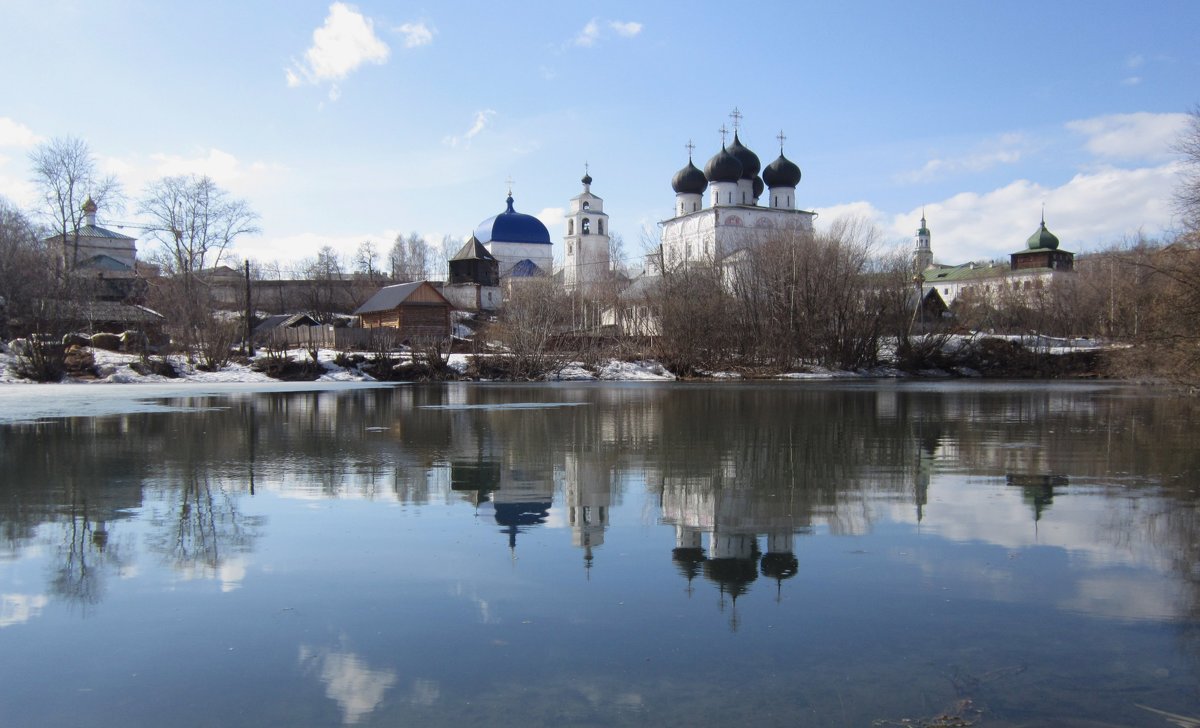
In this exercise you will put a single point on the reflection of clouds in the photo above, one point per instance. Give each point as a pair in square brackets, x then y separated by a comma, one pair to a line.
[20, 608]
[230, 572]
[1127, 596]
[484, 607]
[356, 688]
[425, 692]
[1097, 530]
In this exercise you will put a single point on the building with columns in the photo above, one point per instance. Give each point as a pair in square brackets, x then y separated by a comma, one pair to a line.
[720, 210]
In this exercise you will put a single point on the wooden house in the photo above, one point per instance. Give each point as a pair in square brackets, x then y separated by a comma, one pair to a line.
[414, 309]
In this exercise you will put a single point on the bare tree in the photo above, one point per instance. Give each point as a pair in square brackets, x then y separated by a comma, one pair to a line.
[534, 313]
[194, 221]
[26, 267]
[366, 260]
[1187, 194]
[65, 174]
[328, 289]
[409, 258]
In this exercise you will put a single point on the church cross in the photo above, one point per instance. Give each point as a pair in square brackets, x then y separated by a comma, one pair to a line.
[690, 147]
[509, 181]
[781, 139]
[737, 118]
[723, 131]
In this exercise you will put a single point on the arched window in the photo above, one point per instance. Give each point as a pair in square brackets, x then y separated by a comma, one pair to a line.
[599, 227]
[587, 205]
[586, 227]
[570, 249]
[570, 227]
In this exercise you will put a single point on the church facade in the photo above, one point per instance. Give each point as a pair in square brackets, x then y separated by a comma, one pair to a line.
[720, 210]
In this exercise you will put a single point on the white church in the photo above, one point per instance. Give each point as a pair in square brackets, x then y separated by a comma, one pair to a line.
[732, 215]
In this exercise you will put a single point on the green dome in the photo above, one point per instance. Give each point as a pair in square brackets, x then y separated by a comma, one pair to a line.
[1042, 239]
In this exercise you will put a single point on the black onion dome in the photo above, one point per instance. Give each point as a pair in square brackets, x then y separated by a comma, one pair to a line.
[723, 167]
[758, 186]
[749, 160]
[689, 180]
[783, 172]
[587, 178]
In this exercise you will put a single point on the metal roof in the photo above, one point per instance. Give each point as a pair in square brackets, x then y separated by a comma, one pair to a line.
[94, 231]
[389, 297]
[525, 269]
[473, 250]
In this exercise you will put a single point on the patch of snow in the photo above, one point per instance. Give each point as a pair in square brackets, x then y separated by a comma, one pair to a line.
[573, 372]
[635, 371]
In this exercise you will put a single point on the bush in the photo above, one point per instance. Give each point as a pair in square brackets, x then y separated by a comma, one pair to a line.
[39, 359]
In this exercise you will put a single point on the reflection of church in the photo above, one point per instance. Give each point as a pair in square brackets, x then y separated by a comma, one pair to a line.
[518, 499]
[587, 493]
[733, 518]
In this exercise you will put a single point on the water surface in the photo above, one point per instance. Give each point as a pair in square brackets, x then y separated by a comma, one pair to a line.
[605, 554]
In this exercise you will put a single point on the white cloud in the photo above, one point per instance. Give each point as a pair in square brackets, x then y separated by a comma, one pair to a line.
[594, 31]
[1092, 209]
[14, 134]
[416, 34]
[481, 121]
[625, 29]
[224, 168]
[589, 35]
[862, 210]
[1135, 60]
[345, 42]
[1142, 135]
[1131, 81]
[1004, 149]
[552, 218]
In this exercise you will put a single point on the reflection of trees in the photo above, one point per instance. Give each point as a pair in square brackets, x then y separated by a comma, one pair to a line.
[201, 524]
[765, 460]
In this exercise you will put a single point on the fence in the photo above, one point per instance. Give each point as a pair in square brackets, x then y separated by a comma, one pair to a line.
[331, 337]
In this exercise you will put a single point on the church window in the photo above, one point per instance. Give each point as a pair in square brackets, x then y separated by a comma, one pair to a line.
[729, 197]
[600, 227]
[570, 249]
[587, 205]
[586, 227]
[695, 206]
[570, 227]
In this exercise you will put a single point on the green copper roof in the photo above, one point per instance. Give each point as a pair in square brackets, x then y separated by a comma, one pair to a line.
[1042, 239]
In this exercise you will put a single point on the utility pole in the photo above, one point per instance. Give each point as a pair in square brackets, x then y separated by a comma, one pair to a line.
[249, 314]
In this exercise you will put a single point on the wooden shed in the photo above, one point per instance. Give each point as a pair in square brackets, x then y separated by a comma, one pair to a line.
[415, 309]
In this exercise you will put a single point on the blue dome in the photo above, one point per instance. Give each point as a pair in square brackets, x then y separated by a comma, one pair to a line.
[511, 226]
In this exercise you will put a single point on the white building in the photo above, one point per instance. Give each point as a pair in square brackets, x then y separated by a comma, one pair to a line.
[586, 257]
[729, 218]
[1028, 271]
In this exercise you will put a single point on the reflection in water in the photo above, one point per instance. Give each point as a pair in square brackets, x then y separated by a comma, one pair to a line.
[356, 688]
[20, 608]
[359, 511]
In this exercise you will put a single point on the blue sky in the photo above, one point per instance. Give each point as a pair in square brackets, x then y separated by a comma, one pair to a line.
[348, 122]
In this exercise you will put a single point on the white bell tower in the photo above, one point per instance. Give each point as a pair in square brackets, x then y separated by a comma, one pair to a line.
[586, 238]
[923, 253]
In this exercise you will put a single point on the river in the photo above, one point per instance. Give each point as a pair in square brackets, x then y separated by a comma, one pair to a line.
[825, 554]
